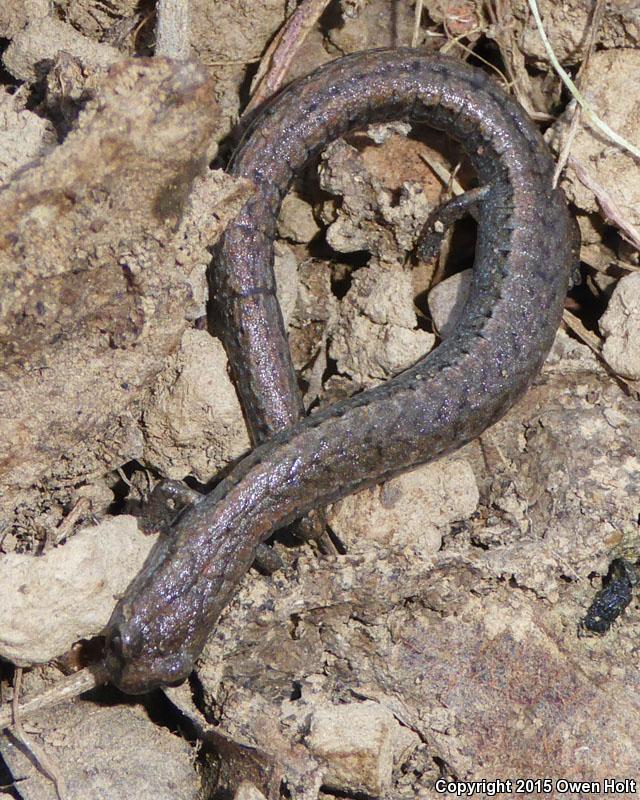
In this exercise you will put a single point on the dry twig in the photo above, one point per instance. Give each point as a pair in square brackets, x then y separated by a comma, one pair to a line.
[610, 210]
[580, 78]
[586, 107]
[588, 337]
[500, 15]
[68, 687]
[283, 49]
[416, 23]
[44, 763]
[172, 29]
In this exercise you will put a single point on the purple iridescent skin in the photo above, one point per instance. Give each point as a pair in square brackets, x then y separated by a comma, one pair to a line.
[524, 258]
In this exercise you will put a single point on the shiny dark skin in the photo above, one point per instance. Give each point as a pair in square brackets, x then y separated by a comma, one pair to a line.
[521, 274]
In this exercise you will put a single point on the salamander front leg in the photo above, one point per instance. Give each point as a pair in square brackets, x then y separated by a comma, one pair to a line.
[166, 504]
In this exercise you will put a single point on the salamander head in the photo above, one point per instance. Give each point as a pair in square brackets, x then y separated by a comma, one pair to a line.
[137, 663]
[135, 669]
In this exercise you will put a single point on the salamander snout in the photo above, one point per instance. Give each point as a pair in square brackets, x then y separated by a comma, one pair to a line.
[121, 649]
[137, 665]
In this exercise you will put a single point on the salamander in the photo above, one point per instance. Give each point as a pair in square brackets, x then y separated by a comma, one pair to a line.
[524, 258]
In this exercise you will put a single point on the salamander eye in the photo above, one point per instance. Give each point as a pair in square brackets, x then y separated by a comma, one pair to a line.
[114, 649]
[114, 644]
[114, 655]
[121, 646]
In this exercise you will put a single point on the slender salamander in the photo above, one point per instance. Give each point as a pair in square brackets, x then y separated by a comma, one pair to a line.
[521, 274]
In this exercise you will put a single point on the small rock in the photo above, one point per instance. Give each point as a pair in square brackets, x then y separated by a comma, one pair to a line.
[193, 423]
[375, 336]
[620, 325]
[15, 14]
[105, 753]
[568, 354]
[379, 133]
[41, 40]
[372, 25]
[446, 301]
[97, 494]
[566, 26]
[296, 221]
[247, 791]
[371, 215]
[69, 592]
[285, 268]
[410, 510]
[25, 135]
[355, 740]
[614, 94]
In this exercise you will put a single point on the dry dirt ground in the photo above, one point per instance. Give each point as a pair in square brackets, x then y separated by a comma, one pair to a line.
[444, 640]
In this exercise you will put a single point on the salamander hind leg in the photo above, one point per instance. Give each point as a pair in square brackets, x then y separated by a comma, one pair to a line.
[443, 217]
